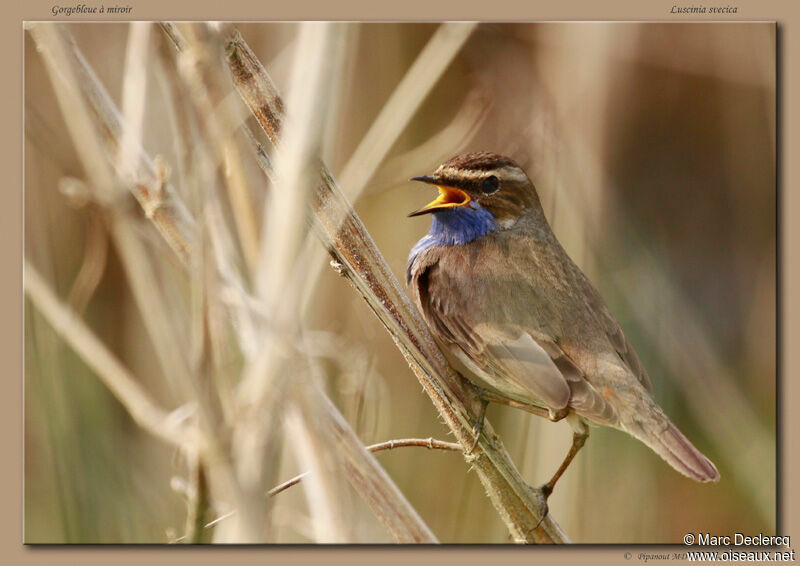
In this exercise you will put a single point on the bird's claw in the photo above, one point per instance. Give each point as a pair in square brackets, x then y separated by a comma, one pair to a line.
[478, 428]
[474, 443]
[544, 514]
[544, 491]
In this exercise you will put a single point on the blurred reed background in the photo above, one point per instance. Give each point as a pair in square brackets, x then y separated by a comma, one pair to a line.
[652, 147]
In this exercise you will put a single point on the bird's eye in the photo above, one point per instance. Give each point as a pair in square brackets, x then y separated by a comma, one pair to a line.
[490, 185]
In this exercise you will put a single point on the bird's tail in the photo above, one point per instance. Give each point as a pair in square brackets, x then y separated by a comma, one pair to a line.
[664, 438]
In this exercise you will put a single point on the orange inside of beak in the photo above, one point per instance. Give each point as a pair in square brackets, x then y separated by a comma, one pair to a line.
[449, 197]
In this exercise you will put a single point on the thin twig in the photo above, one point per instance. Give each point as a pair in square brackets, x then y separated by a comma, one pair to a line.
[429, 443]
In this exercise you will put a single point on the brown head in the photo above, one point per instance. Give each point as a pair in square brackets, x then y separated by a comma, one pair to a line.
[492, 180]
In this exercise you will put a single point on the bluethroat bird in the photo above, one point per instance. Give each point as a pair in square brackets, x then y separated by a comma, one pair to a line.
[516, 317]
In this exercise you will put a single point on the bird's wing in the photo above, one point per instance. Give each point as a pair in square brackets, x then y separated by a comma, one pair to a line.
[614, 332]
[522, 355]
[521, 360]
[529, 360]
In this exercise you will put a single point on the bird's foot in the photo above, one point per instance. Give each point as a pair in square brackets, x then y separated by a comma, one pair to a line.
[477, 429]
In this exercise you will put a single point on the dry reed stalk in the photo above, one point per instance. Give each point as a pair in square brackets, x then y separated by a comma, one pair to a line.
[361, 263]
[124, 386]
[265, 382]
[198, 66]
[133, 100]
[197, 500]
[368, 477]
[164, 330]
[454, 137]
[401, 106]
[87, 105]
[165, 209]
[311, 447]
[392, 120]
[365, 474]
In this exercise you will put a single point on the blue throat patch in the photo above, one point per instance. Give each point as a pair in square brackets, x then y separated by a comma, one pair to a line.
[457, 226]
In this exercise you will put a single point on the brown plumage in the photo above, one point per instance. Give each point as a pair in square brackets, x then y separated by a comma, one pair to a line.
[515, 314]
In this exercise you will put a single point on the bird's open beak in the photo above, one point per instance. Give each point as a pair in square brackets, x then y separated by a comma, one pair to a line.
[449, 197]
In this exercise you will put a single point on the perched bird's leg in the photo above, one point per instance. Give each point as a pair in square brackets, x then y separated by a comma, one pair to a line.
[579, 435]
[578, 440]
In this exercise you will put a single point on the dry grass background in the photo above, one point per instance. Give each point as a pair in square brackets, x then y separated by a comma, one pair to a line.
[653, 149]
